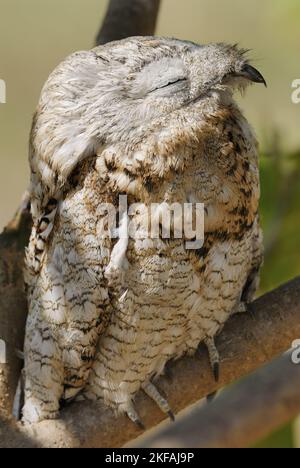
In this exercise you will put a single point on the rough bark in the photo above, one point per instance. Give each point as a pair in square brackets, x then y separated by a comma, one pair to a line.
[248, 342]
[126, 18]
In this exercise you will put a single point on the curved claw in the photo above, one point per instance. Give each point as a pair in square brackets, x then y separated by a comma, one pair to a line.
[216, 371]
[134, 417]
[139, 424]
[171, 415]
[210, 398]
[161, 402]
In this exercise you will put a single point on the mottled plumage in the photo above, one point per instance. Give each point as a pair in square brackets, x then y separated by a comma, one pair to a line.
[154, 119]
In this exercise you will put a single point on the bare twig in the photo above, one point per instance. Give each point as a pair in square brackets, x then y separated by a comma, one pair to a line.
[247, 342]
[127, 18]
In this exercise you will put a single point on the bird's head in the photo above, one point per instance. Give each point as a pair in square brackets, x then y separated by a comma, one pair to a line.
[125, 90]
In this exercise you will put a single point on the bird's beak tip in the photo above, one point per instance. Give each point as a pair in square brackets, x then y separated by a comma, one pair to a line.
[252, 74]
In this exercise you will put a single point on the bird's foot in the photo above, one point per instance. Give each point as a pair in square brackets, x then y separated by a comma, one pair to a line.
[134, 416]
[161, 402]
[214, 357]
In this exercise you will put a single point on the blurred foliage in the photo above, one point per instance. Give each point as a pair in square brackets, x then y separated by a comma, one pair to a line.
[283, 438]
[280, 216]
[280, 182]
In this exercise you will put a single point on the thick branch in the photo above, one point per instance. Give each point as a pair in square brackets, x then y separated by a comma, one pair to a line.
[126, 18]
[241, 415]
[247, 342]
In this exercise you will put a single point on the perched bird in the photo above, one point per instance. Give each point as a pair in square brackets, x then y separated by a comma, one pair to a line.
[155, 120]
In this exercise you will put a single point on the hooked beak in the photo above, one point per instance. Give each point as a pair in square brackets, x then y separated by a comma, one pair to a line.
[252, 74]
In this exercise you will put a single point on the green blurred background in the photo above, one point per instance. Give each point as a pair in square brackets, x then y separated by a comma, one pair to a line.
[35, 35]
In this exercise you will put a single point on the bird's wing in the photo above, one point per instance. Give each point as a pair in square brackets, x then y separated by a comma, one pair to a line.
[60, 140]
[70, 299]
[252, 283]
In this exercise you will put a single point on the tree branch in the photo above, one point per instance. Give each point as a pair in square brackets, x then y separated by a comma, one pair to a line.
[247, 342]
[241, 415]
[126, 18]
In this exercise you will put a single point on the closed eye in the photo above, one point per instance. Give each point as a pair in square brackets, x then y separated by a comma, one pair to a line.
[170, 83]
